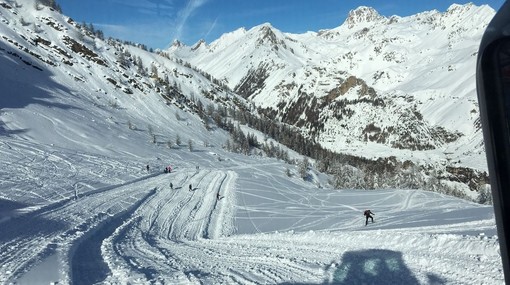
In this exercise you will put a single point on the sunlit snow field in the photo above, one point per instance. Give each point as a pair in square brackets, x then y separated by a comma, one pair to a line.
[84, 219]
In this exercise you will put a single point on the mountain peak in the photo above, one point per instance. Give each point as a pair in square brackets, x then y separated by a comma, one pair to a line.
[265, 29]
[177, 43]
[267, 34]
[199, 44]
[469, 9]
[362, 14]
[458, 8]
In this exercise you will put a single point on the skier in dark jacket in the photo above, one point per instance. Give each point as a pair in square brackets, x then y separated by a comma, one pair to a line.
[368, 214]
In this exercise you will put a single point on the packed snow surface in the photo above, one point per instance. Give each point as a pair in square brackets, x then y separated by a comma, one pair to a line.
[263, 228]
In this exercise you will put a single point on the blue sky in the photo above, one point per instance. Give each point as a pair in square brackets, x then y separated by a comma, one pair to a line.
[156, 23]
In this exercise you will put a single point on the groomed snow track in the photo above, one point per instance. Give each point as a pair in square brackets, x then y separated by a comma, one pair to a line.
[266, 229]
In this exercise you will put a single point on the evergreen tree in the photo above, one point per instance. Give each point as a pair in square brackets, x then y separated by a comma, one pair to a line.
[122, 59]
[484, 195]
[190, 145]
[154, 71]
[100, 34]
[303, 168]
[227, 145]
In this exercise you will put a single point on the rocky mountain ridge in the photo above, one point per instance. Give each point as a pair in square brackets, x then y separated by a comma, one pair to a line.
[401, 83]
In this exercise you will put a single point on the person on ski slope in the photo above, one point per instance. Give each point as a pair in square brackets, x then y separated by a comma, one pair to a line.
[368, 214]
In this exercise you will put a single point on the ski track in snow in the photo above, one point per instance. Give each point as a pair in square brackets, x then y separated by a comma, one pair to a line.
[133, 228]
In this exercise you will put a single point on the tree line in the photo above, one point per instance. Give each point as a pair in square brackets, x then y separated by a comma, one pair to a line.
[347, 171]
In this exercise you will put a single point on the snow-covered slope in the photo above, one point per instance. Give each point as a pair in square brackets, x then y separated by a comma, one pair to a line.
[372, 87]
[265, 228]
[81, 117]
[66, 68]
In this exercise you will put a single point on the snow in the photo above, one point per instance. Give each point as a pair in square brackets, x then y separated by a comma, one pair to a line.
[268, 228]
[77, 205]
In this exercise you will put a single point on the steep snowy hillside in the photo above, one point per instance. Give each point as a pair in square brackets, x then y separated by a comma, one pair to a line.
[129, 90]
[374, 87]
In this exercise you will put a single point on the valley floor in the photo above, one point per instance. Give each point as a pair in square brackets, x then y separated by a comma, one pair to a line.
[76, 218]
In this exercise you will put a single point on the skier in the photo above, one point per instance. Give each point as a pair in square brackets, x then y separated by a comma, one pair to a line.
[190, 188]
[218, 196]
[368, 214]
[171, 186]
[147, 168]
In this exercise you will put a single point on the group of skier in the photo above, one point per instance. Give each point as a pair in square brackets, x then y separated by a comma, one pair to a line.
[167, 169]
[218, 196]
[367, 213]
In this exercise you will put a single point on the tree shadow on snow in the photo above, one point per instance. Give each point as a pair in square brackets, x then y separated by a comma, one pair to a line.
[24, 85]
[87, 264]
[4, 131]
[7, 206]
[29, 82]
[196, 273]
[435, 279]
[18, 226]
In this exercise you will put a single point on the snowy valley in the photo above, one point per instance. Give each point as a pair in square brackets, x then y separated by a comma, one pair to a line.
[399, 89]
[82, 116]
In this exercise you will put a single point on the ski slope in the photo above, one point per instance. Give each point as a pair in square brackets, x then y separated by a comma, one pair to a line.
[77, 205]
[266, 228]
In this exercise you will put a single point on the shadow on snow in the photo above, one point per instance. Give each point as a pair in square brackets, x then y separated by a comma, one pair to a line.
[374, 266]
[35, 84]
[87, 265]
[15, 226]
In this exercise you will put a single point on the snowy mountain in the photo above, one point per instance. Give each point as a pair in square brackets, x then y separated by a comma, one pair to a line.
[125, 86]
[374, 87]
[81, 117]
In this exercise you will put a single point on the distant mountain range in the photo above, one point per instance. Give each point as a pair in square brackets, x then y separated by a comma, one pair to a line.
[398, 88]
[401, 83]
